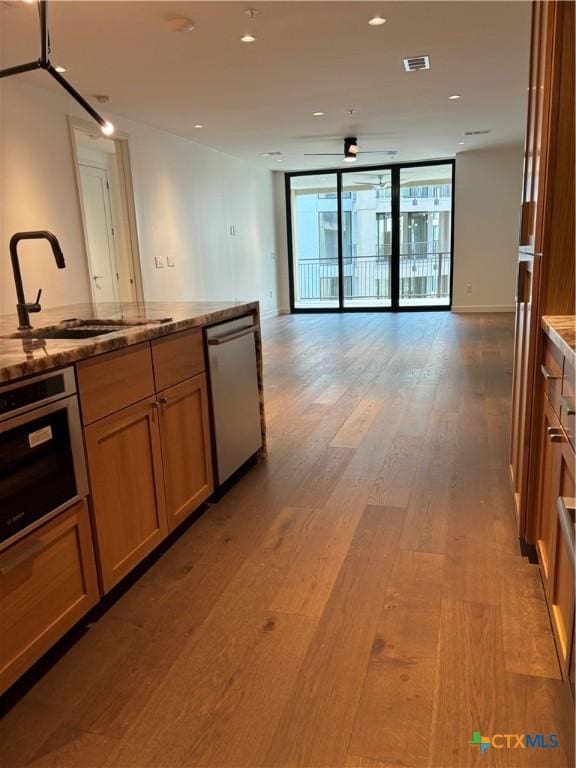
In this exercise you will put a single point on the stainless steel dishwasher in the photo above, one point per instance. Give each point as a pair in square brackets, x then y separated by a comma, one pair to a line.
[234, 388]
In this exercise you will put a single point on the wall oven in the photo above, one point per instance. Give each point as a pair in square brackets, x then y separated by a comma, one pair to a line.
[42, 469]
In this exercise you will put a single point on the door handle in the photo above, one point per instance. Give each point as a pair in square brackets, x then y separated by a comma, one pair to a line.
[28, 549]
[547, 375]
[566, 508]
[555, 435]
[217, 340]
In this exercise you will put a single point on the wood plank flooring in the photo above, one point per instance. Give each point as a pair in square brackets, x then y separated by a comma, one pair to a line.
[359, 600]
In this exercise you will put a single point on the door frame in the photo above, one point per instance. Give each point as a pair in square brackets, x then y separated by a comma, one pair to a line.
[395, 169]
[126, 191]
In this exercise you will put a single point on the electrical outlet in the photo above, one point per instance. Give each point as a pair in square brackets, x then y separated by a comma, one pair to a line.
[270, 293]
[469, 288]
[273, 255]
[159, 262]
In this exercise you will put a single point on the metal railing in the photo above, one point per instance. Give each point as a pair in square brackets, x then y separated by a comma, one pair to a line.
[422, 276]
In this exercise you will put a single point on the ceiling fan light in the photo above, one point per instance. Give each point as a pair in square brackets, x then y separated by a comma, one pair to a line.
[350, 159]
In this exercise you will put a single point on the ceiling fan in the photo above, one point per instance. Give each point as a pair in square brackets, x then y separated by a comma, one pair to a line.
[379, 185]
[351, 151]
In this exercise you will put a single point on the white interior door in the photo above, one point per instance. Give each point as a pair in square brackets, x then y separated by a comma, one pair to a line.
[99, 233]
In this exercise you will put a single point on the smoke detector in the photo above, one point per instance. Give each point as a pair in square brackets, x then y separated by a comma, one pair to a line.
[416, 63]
[180, 24]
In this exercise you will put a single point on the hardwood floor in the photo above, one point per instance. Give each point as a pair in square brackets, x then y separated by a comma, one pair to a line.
[359, 600]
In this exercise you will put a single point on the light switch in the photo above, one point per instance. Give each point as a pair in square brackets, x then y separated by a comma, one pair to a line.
[170, 261]
[159, 262]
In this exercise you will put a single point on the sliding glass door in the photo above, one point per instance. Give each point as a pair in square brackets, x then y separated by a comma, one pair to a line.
[377, 238]
[367, 243]
[315, 241]
[425, 236]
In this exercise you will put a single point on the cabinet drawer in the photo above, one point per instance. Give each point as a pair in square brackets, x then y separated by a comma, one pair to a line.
[552, 369]
[113, 381]
[177, 357]
[568, 401]
[47, 583]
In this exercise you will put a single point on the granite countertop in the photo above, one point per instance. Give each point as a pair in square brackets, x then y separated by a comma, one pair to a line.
[22, 357]
[562, 330]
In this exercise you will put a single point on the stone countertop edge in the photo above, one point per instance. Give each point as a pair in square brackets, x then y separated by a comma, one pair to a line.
[17, 363]
[561, 329]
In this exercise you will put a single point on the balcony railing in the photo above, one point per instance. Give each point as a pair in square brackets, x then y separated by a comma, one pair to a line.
[422, 276]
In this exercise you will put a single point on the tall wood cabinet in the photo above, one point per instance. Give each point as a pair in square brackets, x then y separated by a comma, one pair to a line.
[545, 276]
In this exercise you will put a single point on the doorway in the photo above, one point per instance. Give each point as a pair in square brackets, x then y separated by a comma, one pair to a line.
[108, 216]
[376, 238]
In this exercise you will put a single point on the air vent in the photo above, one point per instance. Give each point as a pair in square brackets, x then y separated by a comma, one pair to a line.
[477, 133]
[415, 63]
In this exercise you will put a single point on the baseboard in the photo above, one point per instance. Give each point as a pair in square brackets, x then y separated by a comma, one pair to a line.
[485, 308]
[284, 311]
[269, 313]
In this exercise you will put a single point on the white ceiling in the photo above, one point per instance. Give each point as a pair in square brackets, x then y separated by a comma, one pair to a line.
[308, 56]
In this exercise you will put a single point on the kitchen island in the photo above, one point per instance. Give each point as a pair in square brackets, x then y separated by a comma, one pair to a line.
[109, 429]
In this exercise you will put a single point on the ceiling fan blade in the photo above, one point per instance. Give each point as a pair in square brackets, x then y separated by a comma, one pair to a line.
[378, 152]
[322, 154]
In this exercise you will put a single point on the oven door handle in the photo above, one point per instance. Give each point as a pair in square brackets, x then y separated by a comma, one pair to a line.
[24, 552]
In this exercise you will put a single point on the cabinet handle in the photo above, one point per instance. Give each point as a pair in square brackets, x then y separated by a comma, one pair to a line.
[566, 508]
[28, 549]
[568, 404]
[555, 435]
[162, 400]
[217, 340]
[546, 373]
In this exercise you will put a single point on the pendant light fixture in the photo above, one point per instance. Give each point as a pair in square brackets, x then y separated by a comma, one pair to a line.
[44, 63]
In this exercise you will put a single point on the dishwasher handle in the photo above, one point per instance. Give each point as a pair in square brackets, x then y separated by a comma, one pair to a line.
[217, 340]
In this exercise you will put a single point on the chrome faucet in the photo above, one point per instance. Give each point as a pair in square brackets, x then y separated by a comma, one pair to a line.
[23, 307]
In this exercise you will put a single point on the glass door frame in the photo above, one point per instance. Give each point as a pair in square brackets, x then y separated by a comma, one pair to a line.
[395, 169]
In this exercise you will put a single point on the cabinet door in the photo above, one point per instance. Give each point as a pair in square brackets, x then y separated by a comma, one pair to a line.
[547, 491]
[186, 451]
[562, 566]
[127, 492]
[47, 583]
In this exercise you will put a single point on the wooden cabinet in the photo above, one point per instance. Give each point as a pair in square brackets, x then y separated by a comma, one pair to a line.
[148, 449]
[47, 583]
[546, 243]
[126, 486]
[555, 524]
[186, 452]
[561, 581]
[548, 491]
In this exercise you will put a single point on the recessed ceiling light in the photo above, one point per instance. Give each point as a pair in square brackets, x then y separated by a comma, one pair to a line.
[279, 160]
[198, 125]
[107, 129]
[377, 21]
[273, 153]
[60, 69]
[248, 38]
[454, 96]
[461, 142]
[318, 114]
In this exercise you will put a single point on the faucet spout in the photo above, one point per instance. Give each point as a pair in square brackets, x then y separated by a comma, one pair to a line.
[22, 307]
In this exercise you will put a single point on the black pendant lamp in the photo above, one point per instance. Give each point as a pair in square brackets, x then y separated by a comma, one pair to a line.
[44, 63]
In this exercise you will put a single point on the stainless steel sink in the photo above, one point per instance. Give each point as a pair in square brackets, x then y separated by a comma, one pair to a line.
[76, 329]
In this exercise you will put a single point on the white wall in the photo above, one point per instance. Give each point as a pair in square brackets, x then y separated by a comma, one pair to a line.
[487, 218]
[187, 197]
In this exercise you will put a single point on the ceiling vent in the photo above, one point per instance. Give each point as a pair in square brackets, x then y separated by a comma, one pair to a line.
[477, 133]
[416, 63]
